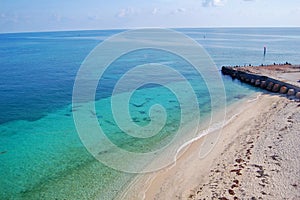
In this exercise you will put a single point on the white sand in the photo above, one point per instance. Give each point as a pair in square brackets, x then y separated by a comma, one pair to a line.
[256, 157]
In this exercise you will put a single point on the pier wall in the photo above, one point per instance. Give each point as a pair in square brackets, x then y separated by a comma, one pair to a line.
[263, 82]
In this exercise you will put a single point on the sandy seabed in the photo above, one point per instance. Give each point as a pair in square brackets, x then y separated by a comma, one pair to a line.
[257, 156]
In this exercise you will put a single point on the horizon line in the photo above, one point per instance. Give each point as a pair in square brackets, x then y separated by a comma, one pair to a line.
[132, 28]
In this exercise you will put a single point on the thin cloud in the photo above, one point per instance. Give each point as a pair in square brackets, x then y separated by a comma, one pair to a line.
[154, 11]
[57, 17]
[125, 12]
[213, 3]
[180, 10]
[177, 11]
[10, 17]
[93, 17]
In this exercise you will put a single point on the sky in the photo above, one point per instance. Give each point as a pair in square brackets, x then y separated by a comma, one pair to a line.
[54, 15]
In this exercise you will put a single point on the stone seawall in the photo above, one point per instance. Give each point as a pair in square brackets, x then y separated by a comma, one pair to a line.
[263, 82]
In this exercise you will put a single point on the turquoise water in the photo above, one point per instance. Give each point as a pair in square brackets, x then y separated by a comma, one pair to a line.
[42, 156]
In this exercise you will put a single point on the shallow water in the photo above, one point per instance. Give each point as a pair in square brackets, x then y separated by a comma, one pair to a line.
[42, 155]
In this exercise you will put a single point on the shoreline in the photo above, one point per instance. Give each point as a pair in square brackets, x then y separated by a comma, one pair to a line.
[191, 177]
[136, 187]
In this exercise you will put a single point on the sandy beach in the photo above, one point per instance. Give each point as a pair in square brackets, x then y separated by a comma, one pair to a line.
[256, 157]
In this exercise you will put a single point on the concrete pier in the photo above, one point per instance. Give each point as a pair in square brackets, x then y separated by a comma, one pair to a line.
[263, 81]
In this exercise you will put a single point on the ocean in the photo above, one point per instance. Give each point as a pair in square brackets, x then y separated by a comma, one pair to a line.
[41, 153]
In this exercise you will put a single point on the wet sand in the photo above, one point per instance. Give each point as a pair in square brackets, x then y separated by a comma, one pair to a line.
[256, 157]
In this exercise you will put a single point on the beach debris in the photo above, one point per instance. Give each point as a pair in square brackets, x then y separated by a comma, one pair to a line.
[237, 171]
[263, 185]
[239, 160]
[275, 157]
[260, 171]
[223, 198]
[234, 186]
[289, 119]
[231, 192]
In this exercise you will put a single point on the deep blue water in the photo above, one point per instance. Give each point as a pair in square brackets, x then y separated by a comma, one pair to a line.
[41, 153]
[38, 69]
